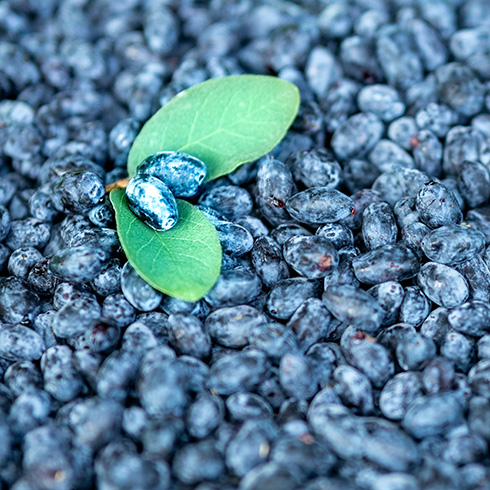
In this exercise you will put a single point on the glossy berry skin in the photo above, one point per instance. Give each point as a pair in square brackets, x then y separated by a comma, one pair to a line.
[152, 201]
[182, 173]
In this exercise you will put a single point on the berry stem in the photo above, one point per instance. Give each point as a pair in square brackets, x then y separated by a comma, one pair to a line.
[119, 184]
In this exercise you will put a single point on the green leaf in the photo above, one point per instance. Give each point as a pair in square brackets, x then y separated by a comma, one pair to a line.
[183, 262]
[224, 121]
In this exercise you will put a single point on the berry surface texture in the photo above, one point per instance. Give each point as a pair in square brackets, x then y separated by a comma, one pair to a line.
[244, 244]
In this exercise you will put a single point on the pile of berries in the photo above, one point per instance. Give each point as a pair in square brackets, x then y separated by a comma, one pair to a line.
[159, 179]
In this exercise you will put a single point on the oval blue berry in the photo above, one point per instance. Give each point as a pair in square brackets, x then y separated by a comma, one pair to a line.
[152, 201]
[182, 173]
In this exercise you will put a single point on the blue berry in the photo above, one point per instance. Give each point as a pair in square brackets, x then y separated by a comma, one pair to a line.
[353, 306]
[232, 326]
[442, 284]
[78, 264]
[315, 168]
[312, 257]
[319, 205]
[386, 263]
[287, 295]
[229, 200]
[398, 393]
[433, 415]
[452, 244]
[152, 201]
[188, 336]
[183, 174]
[137, 291]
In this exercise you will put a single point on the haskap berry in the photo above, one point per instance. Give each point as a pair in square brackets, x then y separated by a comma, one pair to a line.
[346, 343]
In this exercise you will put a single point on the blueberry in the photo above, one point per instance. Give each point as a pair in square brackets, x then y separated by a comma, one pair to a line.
[78, 264]
[474, 183]
[471, 318]
[112, 467]
[397, 56]
[137, 291]
[399, 182]
[229, 200]
[254, 226]
[28, 232]
[347, 142]
[389, 295]
[22, 376]
[235, 240]
[378, 225]
[234, 287]
[413, 352]
[359, 60]
[398, 393]
[160, 435]
[432, 415]
[282, 233]
[311, 322]
[102, 338]
[61, 380]
[117, 311]
[152, 201]
[163, 391]
[21, 261]
[116, 375]
[339, 427]
[17, 302]
[478, 377]
[427, 152]
[442, 284]
[274, 339]
[382, 100]
[315, 168]
[386, 154]
[274, 186]
[312, 257]
[204, 415]
[108, 280]
[386, 263]
[30, 410]
[139, 338]
[369, 357]
[415, 307]
[459, 88]
[187, 335]
[353, 388]
[183, 174]
[457, 348]
[232, 326]
[238, 372]
[72, 319]
[319, 205]
[463, 144]
[246, 406]
[288, 294]
[267, 260]
[353, 306]
[250, 446]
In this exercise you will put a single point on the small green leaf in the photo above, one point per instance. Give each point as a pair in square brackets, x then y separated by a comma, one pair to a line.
[224, 121]
[183, 262]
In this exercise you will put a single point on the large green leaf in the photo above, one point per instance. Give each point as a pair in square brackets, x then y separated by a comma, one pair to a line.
[224, 121]
[183, 262]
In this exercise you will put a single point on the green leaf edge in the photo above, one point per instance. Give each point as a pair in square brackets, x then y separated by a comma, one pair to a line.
[186, 295]
[133, 166]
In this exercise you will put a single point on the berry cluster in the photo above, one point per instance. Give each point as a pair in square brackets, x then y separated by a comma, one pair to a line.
[161, 178]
